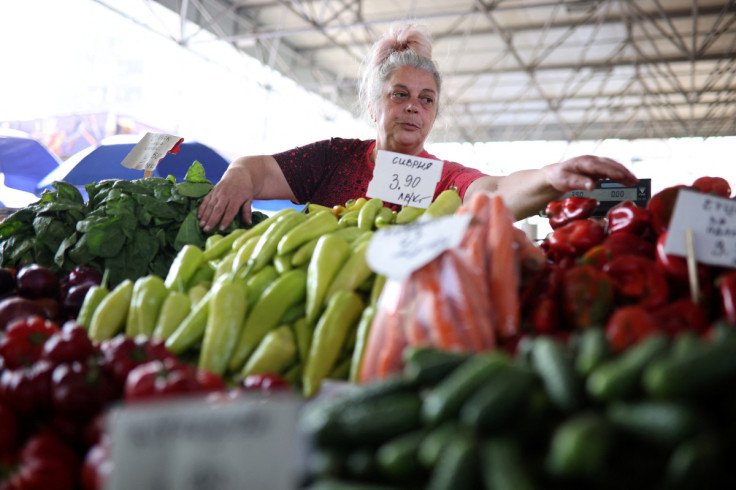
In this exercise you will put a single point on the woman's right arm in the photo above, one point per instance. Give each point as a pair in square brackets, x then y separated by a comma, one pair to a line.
[246, 178]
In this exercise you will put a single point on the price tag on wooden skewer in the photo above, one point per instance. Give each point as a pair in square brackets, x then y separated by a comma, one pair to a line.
[146, 154]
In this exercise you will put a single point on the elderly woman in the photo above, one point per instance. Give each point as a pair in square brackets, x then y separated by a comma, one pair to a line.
[400, 92]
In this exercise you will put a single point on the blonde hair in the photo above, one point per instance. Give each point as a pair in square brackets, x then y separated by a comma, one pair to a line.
[407, 45]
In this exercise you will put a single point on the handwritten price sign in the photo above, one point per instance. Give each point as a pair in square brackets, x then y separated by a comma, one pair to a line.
[404, 179]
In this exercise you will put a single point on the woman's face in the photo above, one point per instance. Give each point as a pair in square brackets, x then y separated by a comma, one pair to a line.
[406, 111]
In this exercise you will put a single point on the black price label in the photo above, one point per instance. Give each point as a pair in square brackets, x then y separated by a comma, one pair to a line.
[609, 193]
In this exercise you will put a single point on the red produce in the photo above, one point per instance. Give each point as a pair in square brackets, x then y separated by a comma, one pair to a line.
[161, 379]
[45, 463]
[727, 290]
[627, 326]
[27, 390]
[661, 205]
[24, 340]
[627, 243]
[8, 430]
[265, 382]
[627, 216]
[121, 354]
[713, 185]
[569, 209]
[81, 390]
[37, 281]
[587, 296]
[71, 344]
[638, 280]
[680, 316]
[14, 307]
[576, 237]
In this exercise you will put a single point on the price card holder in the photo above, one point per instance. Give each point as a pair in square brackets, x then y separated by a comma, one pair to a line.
[398, 251]
[609, 193]
[404, 179]
[146, 154]
[712, 222]
[194, 445]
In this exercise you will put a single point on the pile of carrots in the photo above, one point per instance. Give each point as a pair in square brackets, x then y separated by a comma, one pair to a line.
[466, 299]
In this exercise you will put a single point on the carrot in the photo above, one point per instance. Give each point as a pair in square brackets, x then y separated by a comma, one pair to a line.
[473, 301]
[390, 358]
[444, 328]
[387, 308]
[504, 268]
[417, 323]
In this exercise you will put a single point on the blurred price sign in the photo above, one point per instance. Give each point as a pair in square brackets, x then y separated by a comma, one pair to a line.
[146, 154]
[712, 222]
[197, 445]
[404, 179]
[609, 193]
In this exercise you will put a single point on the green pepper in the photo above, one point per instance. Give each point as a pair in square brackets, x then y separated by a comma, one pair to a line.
[224, 323]
[377, 288]
[361, 339]
[447, 202]
[368, 213]
[287, 290]
[274, 353]
[329, 255]
[92, 300]
[303, 334]
[282, 263]
[258, 282]
[204, 273]
[349, 218]
[385, 217]
[316, 225]
[353, 271]
[110, 316]
[197, 292]
[211, 240]
[222, 246]
[244, 252]
[267, 244]
[174, 310]
[304, 253]
[186, 262]
[259, 228]
[149, 293]
[224, 266]
[343, 310]
[191, 329]
[408, 214]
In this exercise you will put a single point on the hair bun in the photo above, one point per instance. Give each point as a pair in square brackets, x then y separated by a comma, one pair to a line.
[413, 37]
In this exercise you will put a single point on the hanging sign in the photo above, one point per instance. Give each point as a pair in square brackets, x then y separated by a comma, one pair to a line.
[712, 222]
[404, 179]
[397, 251]
[193, 445]
[150, 150]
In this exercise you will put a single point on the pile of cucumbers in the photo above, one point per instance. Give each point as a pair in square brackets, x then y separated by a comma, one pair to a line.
[564, 414]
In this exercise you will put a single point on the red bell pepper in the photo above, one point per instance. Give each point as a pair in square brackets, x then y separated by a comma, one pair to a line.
[681, 315]
[627, 243]
[569, 209]
[627, 326]
[638, 280]
[24, 339]
[675, 267]
[121, 354]
[627, 216]
[576, 237]
[587, 296]
[9, 430]
[661, 206]
[45, 462]
[161, 379]
[713, 185]
[597, 256]
[80, 391]
[727, 290]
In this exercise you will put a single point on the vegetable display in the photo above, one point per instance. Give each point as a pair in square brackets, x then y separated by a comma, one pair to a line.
[129, 228]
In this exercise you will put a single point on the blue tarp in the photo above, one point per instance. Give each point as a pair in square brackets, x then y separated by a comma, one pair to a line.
[103, 162]
[25, 161]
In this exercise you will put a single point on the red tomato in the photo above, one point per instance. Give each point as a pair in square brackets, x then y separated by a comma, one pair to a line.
[161, 378]
[24, 340]
[627, 326]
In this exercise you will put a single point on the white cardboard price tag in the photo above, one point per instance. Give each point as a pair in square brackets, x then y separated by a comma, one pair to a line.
[398, 251]
[193, 445]
[712, 221]
[404, 179]
[146, 154]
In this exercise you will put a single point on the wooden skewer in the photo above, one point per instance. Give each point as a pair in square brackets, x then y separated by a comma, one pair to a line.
[692, 266]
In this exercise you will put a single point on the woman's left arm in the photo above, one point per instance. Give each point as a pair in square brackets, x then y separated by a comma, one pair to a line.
[527, 192]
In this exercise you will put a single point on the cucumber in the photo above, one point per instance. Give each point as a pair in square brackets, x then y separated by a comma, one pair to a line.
[361, 463]
[665, 423]
[444, 401]
[555, 366]
[428, 365]
[502, 466]
[494, 404]
[618, 377]
[457, 467]
[398, 458]
[579, 446]
[377, 420]
[593, 349]
[694, 463]
[319, 421]
[702, 369]
[437, 439]
[345, 484]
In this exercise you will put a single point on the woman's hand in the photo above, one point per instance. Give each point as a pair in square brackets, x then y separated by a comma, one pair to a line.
[232, 194]
[583, 172]
[246, 179]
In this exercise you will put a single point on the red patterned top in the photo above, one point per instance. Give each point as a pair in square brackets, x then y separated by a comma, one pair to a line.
[330, 172]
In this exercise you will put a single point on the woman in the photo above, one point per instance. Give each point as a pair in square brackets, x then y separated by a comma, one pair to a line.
[400, 92]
